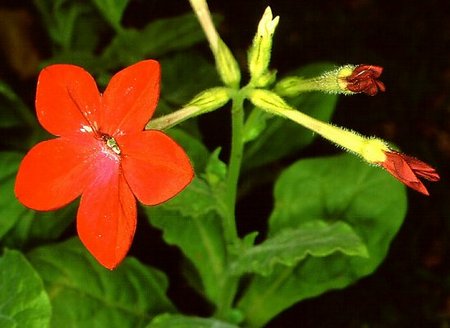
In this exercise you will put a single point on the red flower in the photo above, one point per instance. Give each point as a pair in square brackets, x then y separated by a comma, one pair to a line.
[102, 153]
[408, 169]
[364, 79]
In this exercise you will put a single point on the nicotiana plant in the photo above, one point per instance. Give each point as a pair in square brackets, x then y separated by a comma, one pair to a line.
[333, 217]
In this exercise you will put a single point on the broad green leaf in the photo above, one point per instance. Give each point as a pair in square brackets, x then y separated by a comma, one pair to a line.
[85, 294]
[339, 188]
[20, 226]
[280, 136]
[180, 70]
[200, 239]
[180, 321]
[290, 246]
[156, 39]
[191, 221]
[23, 300]
[195, 200]
[112, 10]
[35, 227]
[12, 108]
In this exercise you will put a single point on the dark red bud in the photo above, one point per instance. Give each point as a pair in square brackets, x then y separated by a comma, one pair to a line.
[408, 169]
[364, 79]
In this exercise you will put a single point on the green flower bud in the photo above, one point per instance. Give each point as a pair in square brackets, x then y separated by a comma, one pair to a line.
[210, 99]
[260, 51]
[268, 101]
[227, 65]
[205, 101]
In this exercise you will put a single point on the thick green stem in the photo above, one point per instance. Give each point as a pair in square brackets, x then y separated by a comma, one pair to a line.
[234, 166]
[230, 283]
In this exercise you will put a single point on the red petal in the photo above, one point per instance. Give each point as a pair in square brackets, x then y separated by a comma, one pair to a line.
[421, 169]
[131, 98]
[67, 99]
[396, 164]
[55, 172]
[106, 219]
[380, 86]
[155, 166]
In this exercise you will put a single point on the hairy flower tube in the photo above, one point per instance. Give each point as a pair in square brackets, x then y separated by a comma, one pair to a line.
[347, 79]
[405, 168]
[101, 153]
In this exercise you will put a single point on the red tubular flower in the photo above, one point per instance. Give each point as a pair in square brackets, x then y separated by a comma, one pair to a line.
[364, 79]
[408, 169]
[102, 153]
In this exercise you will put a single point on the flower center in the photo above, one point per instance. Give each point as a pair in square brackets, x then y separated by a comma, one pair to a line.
[111, 143]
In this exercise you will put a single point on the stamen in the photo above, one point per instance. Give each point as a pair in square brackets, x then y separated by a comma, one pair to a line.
[111, 143]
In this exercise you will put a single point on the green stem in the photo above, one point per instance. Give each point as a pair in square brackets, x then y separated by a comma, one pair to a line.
[230, 283]
[234, 166]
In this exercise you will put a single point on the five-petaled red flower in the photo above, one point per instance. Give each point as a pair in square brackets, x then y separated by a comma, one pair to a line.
[102, 153]
[408, 169]
[364, 79]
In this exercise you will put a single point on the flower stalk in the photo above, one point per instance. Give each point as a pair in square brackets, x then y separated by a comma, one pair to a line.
[206, 101]
[226, 64]
[201, 9]
[375, 151]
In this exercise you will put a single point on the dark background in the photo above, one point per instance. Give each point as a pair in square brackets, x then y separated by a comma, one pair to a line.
[411, 40]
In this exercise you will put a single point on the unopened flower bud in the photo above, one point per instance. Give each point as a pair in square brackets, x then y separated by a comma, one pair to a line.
[227, 65]
[408, 170]
[210, 99]
[260, 52]
[364, 79]
[347, 79]
[205, 101]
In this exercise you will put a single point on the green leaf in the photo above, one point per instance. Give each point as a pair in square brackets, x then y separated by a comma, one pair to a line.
[20, 226]
[200, 239]
[34, 227]
[85, 294]
[11, 211]
[11, 108]
[290, 246]
[339, 188]
[112, 10]
[255, 124]
[155, 40]
[180, 321]
[180, 70]
[60, 18]
[192, 222]
[23, 300]
[282, 137]
[216, 170]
